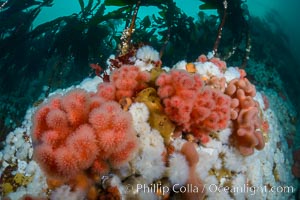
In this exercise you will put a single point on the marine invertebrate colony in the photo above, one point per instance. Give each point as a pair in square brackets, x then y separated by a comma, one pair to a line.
[196, 130]
[160, 131]
[90, 133]
[196, 108]
[78, 131]
[246, 115]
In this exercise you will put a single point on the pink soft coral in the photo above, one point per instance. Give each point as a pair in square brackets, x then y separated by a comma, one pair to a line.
[245, 113]
[178, 91]
[106, 90]
[128, 80]
[192, 106]
[79, 130]
[125, 81]
[114, 132]
[191, 155]
[211, 112]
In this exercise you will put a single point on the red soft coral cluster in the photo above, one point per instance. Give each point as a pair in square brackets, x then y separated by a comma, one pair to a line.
[178, 91]
[211, 112]
[245, 116]
[80, 130]
[114, 132]
[193, 106]
[124, 82]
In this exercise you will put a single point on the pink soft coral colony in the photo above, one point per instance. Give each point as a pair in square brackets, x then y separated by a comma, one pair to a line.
[89, 133]
[194, 107]
[245, 113]
[81, 130]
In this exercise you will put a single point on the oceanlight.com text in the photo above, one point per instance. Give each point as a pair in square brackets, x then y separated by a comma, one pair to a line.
[210, 188]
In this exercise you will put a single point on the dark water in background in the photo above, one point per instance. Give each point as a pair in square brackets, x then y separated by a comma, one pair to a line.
[58, 55]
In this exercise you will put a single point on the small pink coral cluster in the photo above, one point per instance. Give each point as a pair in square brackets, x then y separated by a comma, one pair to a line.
[124, 82]
[245, 115]
[80, 131]
[193, 106]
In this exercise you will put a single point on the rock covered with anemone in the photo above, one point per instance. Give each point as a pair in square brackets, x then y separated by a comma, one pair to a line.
[148, 132]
